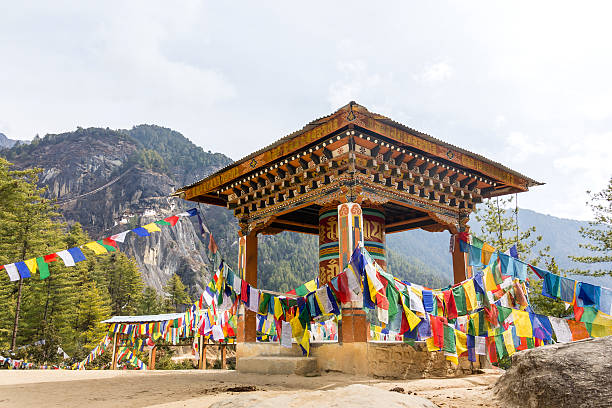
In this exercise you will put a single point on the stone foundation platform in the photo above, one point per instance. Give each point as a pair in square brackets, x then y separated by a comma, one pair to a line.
[374, 359]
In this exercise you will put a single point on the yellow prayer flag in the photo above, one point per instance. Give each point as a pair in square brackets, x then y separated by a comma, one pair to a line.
[460, 342]
[487, 251]
[413, 319]
[602, 319]
[490, 284]
[600, 331]
[453, 359]
[311, 285]
[278, 308]
[96, 248]
[32, 265]
[509, 342]
[152, 227]
[470, 294]
[430, 344]
[522, 323]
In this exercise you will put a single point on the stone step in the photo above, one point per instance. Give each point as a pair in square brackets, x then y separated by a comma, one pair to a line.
[306, 366]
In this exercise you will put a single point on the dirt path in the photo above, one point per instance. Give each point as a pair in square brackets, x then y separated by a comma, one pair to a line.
[193, 388]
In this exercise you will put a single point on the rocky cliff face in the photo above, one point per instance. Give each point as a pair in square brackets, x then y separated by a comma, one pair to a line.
[102, 179]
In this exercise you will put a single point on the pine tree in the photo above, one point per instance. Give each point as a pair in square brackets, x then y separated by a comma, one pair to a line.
[27, 229]
[499, 228]
[176, 293]
[151, 302]
[599, 233]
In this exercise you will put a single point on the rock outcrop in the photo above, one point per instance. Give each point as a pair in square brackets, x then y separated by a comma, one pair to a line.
[575, 374]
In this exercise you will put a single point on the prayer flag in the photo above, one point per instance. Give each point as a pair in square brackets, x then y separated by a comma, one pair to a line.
[285, 334]
[23, 270]
[12, 271]
[480, 345]
[470, 294]
[509, 342]
[96, 248]
[460, 302]
[460, 342]
[120, 237]
[141, 232]
[451, 308]
[32, 265]
[152, 227]
[43, 267]
[587, 294]
[172, 220]
[562, 330]
[449, 339]
[522, 323]
[578, 329]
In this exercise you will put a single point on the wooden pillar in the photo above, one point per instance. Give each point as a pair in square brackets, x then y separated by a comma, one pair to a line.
[223, 363]
[459, 262]
[114, 356]
[247, 268]
[152, 355]
[202, 357]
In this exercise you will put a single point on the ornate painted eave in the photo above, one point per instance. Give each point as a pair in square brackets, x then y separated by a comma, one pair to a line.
[353, 154]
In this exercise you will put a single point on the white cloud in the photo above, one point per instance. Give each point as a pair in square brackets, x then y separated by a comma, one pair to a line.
[437, 72]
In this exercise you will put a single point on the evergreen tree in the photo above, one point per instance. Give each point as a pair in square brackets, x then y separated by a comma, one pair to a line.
[27, 230]
[151, 302]
[500, 229]
[176, 294]
[599, 233]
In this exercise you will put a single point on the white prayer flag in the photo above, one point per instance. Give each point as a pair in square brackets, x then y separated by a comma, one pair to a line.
[120, 237]
[66, 257]
[561, 328]
[12, 271]
[237, 284]
[353, 282]
[286, 334]
[416, 302]
[324, 300]
[480, 344]
[217, 332]
[253, 299]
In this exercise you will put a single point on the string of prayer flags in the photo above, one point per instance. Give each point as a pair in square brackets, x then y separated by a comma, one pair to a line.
[71, 256]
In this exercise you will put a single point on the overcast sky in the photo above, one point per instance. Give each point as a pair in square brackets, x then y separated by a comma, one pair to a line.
[527, 84]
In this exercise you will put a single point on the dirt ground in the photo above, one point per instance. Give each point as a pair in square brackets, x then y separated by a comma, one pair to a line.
[201, 388]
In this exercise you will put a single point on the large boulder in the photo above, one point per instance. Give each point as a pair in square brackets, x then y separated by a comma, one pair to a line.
[575, 374]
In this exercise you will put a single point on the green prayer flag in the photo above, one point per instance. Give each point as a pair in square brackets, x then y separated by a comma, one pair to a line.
[449, 340]
[477, 242]
[460, 303]
[162, 222]
[264, 299]
[301, 290]
[304, 316]
[109, 248]
[392, 297]
[500, 347]
[588, 315]
[503, 313]
[530, 342]
[496, 271]
[43, 268]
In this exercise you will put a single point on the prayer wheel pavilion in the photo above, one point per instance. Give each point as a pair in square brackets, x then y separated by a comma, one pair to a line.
[347, 177]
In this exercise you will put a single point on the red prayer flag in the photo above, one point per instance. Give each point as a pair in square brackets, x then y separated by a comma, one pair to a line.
[491, 349]
[244, 291]
[578, 311]
[343, 292]
[437, 330]
[451, 307]
[212, 245]
[50, 258]
[172, 220]
[109, 241]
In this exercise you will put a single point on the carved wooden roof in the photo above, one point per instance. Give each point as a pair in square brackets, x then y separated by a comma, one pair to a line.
[354, 154]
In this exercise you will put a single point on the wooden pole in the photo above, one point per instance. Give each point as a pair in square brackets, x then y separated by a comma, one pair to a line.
[152, 355]
[223, 365]
[202, 359]
[114, 359]
[459, 262]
